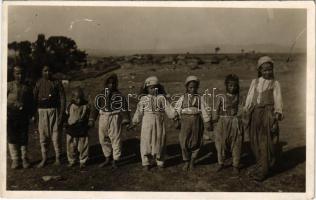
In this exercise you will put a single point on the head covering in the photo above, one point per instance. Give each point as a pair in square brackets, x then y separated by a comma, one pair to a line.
[191, 78]
[152, 80]
[264, 59]
[111, 76]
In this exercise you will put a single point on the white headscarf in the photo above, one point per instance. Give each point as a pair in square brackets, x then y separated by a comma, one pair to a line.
[152, 80]
[191, 78]
[264, 59]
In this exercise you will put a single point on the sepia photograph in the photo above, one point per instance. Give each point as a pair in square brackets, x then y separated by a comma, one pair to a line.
[158, 97]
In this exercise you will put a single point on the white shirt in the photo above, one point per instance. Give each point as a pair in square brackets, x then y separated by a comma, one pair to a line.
[193, 110]
[263, 85]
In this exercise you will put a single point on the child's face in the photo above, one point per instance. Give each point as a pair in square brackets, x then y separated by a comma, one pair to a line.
[266, 70]
[231, 87]
[76, 98]
[152, 89]
[17, 74]
[192, 87]
[111, 85]
[46, 73]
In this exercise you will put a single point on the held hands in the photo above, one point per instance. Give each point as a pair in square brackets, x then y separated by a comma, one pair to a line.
[125, 122]
[131, 126]
[177, 123]
[209, 126]
[128, 124]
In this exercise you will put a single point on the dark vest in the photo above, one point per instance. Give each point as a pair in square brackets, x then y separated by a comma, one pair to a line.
[189, 102]
[230, 106]
[266, 96]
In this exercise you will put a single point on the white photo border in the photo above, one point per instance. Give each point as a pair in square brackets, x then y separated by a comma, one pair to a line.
[310, 103]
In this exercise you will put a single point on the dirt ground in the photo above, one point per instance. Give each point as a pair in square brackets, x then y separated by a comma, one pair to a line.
[288, 177]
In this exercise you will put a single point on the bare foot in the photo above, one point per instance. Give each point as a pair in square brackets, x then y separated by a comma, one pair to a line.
[186, 166]
[41, 164]
[105, 163]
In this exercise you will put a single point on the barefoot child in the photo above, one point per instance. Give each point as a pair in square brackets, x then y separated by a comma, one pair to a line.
[192, 110]
[50, 100]
[77, 128]
[150, 111]
[264, 104]
[19, 112]
[228, 132]
[113, 113]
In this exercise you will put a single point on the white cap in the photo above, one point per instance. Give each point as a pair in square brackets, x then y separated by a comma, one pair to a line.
[152, 80]
[264, 59]
[191, 78]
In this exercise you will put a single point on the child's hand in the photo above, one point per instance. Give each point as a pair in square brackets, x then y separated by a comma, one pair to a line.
[274, 127]
[131, 127]
[125, 122]
[278, 116]
[209, 126]
[176, 117]
[215, 120]
[177, 124]
[244, 110]
[18, 105]
[91, 123]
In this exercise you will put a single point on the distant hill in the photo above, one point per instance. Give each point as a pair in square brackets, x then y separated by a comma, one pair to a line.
[225, 48]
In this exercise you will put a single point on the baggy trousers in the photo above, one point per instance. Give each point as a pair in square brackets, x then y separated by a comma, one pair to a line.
[110, 131]
[228, 137]
[48, 130]
[75, 145]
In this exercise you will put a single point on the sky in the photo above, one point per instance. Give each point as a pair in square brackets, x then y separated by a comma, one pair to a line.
[128, 30]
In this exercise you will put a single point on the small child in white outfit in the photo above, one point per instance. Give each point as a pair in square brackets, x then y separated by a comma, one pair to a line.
[77, 129]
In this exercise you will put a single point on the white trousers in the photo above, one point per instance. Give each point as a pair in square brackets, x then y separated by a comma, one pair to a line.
[48, 130]
[110, 130]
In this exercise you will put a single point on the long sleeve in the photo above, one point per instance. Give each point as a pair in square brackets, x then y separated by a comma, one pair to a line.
[62, 97]
[206, 117]
[178, 105]
[126, 112]
[218, 107]
[87, 114]
[30, 102]
[250, 95]
[170, 111]
[138, 115]
[35, 95]
[240, 110]
[94, 109]
[9, 91]
[94, 113]
[277, 95]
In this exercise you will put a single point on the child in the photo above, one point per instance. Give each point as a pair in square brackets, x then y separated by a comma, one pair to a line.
[192, 111]
[228, 132]
[19, 111]
[150, 111]
[264, 105]
[50, 100]
[113, 113]
[77, 128]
